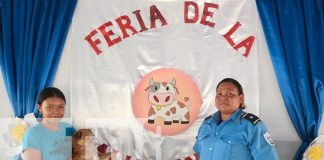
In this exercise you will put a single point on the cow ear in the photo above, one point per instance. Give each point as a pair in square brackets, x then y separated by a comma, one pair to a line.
[173, 82]
[151, 82]
[148, 88]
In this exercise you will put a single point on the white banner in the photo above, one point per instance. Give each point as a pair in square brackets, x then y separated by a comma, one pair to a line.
[144, 72]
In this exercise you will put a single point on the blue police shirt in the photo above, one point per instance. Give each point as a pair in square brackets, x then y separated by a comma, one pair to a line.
[237, 138]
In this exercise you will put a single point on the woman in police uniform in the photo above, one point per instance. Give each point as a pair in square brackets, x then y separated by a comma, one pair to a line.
[230, 133]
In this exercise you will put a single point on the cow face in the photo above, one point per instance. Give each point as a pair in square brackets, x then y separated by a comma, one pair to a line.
[161, 93]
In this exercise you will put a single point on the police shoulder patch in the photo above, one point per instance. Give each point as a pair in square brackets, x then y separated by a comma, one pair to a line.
[268, 138]
[251, 117]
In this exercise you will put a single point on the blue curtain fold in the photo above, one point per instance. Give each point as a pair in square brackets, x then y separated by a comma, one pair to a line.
[32, 37]
[294, 31]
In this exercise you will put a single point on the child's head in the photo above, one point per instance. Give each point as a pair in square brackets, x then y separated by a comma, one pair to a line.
[51, 103]
[48, 93]
[84, 145]
[83, 136]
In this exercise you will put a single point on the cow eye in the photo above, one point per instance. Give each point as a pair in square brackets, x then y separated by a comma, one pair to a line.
[155, 88]
[167, 88]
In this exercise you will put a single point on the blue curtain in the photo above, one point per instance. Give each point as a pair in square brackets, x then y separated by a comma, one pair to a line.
[32, 36]
[294, 30]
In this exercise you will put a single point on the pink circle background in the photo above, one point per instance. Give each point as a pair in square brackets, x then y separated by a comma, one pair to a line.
[186, 87]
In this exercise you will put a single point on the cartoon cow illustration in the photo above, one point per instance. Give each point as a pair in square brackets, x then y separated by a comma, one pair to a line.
[162, 96]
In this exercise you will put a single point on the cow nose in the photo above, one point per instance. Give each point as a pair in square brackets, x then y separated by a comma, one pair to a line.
[156, 99]
[167, 99]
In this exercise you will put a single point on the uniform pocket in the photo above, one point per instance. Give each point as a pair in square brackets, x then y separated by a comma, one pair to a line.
[231, 139]
[235, 149]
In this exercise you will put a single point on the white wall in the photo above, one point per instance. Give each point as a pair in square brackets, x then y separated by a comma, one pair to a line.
[272, 109]
[5, 108]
